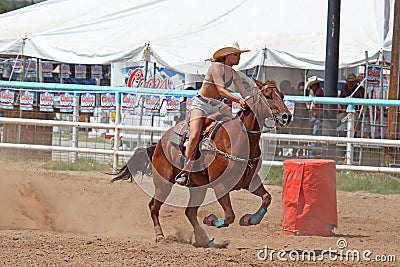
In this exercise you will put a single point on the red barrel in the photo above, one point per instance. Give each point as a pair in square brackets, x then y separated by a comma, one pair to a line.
[309, 197]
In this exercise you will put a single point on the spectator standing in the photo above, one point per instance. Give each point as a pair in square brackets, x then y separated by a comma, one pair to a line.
[316, 110]
[351, 88]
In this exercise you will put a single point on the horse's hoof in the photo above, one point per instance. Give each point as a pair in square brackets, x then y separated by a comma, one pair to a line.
[212, 244]
[160, 238]
[209, 220]
[245, 220]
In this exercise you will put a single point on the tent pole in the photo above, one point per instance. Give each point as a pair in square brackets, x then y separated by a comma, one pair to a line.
[146, 58]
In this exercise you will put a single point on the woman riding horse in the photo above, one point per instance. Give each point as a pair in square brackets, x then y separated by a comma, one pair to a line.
[208, 100]
[234, 158]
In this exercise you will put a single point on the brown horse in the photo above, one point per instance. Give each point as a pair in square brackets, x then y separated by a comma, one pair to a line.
[229, 159]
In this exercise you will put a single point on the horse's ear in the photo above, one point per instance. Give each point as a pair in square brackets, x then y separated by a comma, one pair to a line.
[260, 84]
[271, 83]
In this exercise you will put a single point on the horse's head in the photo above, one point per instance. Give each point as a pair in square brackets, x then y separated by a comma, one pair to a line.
[274, 99]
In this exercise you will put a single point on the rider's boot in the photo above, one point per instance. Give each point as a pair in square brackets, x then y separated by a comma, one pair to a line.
[183, 177]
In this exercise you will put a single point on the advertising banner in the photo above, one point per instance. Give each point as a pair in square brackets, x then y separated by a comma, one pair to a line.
[374, 75]
[66, 102]
[108, 101]
[88, 102]
[80, 71]
[128, 102]
[152, 104]
[47, 70]
[65, 71]
[30, 69]
[7, 99]
[189, 103]
[96, 71]
[173, 105]
[26, 100]
[125, 74]
[46, 101]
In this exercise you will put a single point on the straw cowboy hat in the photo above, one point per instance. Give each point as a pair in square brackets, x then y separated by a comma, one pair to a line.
[351, 77]
[227, 50]
[313, 80]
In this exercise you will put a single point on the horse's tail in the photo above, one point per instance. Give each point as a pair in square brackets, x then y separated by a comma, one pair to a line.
[139, 162]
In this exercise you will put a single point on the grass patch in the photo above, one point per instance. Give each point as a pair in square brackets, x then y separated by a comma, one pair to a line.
[79, 165]
[376, 183]
[273, 177]
[83, 137]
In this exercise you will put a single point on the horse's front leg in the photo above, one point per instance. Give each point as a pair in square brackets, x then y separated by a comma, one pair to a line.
[225, 202]
[253, 219]
[201, 238]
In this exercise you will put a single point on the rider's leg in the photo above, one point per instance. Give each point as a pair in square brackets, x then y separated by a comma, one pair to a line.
[196, 124]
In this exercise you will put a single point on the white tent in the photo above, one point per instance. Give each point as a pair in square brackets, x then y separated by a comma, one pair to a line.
[182, 34]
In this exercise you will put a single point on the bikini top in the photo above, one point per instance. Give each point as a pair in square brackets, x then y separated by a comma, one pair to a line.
[227, 84]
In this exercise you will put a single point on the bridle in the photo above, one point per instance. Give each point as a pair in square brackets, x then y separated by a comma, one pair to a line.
[256, 104]
[240, 115]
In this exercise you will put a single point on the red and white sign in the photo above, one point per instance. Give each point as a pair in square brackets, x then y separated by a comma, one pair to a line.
[88, 101]
[173, 105]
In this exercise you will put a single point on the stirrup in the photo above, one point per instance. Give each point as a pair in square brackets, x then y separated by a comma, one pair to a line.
[182, 178]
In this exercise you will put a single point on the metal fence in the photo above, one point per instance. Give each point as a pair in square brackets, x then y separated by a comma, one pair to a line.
[349, 136]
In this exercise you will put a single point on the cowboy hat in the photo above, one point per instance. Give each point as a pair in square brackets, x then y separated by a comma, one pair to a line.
[313, 80]
[351, 77]
[227, 50]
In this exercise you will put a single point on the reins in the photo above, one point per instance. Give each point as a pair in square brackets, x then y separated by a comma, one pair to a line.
[208, 145]
[241, 114]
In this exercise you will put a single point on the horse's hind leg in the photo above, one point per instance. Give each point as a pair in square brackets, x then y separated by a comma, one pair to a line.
[253, 219]
[154, 207]
[160, 195]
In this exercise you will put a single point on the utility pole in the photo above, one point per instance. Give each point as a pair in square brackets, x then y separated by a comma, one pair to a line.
[392, 130]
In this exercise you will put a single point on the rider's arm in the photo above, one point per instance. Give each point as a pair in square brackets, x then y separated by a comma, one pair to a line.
[239, 85]
[220, 85]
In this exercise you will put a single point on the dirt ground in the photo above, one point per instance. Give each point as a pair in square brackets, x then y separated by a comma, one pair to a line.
[59, 218]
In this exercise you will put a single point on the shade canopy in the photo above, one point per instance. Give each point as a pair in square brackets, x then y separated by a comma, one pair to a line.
[182, 34]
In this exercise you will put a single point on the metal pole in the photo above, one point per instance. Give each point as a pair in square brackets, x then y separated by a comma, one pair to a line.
[332, 49]
[154, 74]
[331, 74]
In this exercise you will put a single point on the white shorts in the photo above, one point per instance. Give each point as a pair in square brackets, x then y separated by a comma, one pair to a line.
[208, 105]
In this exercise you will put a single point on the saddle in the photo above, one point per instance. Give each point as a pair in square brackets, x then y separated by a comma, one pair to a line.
[179, 134]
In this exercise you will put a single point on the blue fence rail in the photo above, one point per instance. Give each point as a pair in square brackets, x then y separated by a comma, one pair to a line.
[78, 88]
[93, 88]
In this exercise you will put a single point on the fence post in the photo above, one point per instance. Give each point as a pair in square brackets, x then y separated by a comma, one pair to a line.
[75, 130]
[118, 111]
[350, 134]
